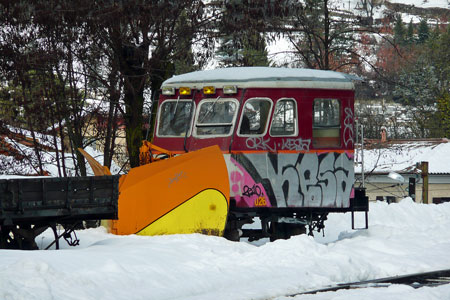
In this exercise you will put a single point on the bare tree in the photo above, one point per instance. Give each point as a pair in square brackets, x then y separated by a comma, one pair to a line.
[142, 37]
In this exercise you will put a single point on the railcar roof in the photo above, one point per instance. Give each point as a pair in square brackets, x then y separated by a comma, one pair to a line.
[246, 77]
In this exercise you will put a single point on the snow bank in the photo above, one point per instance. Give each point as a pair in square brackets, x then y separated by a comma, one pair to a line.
[403, 238]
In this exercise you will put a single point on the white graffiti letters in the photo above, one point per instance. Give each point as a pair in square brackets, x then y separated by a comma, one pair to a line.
[258, 143]
[296, 144]
[307, 180]
[348, 127]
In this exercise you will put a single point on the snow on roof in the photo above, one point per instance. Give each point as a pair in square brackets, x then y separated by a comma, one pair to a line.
[265, 77]
[402, 156]
[424, 3]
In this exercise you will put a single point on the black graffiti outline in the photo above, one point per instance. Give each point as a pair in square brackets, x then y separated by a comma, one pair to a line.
[250, 191]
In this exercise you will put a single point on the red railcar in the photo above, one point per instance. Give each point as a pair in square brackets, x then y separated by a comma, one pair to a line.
[287, 136]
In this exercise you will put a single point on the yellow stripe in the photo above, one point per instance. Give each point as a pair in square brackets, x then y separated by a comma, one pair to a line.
[204, 213]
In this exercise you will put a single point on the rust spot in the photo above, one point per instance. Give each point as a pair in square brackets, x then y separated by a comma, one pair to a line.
[210, 231]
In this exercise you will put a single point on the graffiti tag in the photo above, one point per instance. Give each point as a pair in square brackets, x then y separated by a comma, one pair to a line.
[296, 144]
[258, 143]
[348, 127]
[250, 191]
[307, 179]
[177, 177]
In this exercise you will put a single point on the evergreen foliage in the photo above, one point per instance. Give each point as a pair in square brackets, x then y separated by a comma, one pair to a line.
[424, 85]
[410, 39]
[417, 86]
[399, 31]
[444, 114]
[243, 41]
[423, 31]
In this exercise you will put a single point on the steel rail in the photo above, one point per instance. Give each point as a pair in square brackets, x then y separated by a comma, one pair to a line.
[415, 280]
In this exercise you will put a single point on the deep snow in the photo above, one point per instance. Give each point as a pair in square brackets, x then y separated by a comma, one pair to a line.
[402, 238]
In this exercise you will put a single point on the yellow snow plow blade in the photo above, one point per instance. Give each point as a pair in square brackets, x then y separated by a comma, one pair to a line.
[185, 194]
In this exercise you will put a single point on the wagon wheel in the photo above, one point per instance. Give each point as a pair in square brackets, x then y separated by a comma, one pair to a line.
[25, 235]
[91, 224]
[284, 231]
[6, 240]
[232, 228]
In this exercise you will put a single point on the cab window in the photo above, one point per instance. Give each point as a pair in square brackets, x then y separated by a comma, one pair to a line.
[284, 120]
[216, 117]
[326, 123]
[255, 116]
[175, 118]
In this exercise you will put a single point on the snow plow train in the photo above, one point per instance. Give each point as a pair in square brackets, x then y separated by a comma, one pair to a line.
[241, 144]
[230, 147]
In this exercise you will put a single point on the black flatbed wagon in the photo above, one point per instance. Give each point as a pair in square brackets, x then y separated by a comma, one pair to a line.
[29, 206]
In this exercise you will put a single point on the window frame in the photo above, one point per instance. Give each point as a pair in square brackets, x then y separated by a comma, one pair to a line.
[197, 113]
[296, 119]
[269, 114]
[189, 132]
[324, 127]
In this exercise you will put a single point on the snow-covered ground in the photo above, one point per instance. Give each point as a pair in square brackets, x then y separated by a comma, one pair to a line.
[402, 238]
[402, 156]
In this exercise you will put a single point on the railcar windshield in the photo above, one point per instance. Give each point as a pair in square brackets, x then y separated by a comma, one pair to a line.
[284, 122]
[175, 118]
[255, 116]
[216, 117]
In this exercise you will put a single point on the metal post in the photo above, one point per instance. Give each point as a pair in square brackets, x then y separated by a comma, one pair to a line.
[412, 188]
[362, 156]
[424, 166]
[357, 139]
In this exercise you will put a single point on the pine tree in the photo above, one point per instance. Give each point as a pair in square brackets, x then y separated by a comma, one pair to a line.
[243, 39]
[423, 31]
[444, 112]
[410, 33]
[254, 52]
[399, 31]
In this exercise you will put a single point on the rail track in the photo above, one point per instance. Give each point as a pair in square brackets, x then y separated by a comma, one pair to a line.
[415, 280]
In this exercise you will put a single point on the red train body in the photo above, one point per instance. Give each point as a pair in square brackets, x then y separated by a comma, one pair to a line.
[287, 136]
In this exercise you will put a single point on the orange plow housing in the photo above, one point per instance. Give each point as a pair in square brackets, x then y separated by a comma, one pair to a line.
[188, 193]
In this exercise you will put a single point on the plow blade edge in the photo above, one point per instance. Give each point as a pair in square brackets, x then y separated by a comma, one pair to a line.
[184, 194]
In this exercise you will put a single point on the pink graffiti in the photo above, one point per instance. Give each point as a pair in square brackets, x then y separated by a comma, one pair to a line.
[245, 190]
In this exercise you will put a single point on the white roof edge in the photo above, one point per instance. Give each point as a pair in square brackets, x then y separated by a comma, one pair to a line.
[247, 77]
[269, 84]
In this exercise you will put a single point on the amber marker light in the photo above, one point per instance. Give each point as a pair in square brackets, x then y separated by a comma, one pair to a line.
[209, 90]
[185, 91]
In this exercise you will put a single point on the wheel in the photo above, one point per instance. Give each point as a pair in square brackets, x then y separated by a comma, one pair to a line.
[232, 235]
[91, 224]
[284, 231]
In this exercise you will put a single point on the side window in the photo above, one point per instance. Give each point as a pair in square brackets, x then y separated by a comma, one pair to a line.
[326, 123]
[254, 116]
[174, 118]
[284, 121]
[216, 117]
